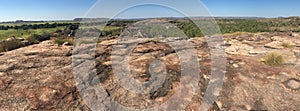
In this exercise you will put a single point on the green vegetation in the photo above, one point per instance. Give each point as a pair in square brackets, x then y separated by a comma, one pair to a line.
[273, 59]
[14, 43]
[36, 38]
[19, 36]
[36, 26]
[61, 32]
[231, 26]
[244, 25]
[189, 28]
[19, 23]
[115, 27]
[10, 45]
[4, 34]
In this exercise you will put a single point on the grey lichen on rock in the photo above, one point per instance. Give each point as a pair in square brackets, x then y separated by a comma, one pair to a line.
[292, 84]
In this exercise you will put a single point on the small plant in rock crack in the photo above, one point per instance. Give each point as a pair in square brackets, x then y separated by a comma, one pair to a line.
[286, 45]
[273, 59]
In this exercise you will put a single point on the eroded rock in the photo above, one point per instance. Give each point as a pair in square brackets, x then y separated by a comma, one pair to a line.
[293, 84]
[40, 77]
[257, 51]
[274, 45]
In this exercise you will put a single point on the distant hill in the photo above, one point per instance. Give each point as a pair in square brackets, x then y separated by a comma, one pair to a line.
[90, 19]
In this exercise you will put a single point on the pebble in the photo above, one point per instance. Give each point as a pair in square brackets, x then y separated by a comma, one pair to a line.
[235, 65]
[107, 63]
[242, 63]
[219, 103]
[205, 76]
[2, 74]
[248, 107]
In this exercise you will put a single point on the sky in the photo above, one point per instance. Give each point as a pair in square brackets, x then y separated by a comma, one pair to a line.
[11, 10]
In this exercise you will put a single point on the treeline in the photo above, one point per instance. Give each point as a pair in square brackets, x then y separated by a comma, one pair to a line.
[187, 26]
[38, 26]
[231, 26]
[191, 30]
[118, 23]
[226, 26]
[115, 23]
[243, 25]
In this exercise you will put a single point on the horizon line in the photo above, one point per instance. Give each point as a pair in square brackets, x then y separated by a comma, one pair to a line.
[125, 18]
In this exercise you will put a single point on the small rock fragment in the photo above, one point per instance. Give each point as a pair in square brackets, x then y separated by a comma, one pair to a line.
[2, 74]
[293, 84]
[66, 44]
[235, 65]
[242, 63]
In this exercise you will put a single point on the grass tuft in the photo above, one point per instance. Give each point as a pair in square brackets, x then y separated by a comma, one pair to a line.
[286, 45]
[273, 59]
[62, 40]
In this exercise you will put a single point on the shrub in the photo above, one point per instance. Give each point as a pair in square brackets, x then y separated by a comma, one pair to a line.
[2, 47]
[286, 45]
[45, 36]
[35, 38]
[62, 40]
[10, 45]
[32, 40]
[273, 59]
[59, 41]
[40, 38]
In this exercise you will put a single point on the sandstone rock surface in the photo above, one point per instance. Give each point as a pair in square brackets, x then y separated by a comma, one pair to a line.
[40, 77]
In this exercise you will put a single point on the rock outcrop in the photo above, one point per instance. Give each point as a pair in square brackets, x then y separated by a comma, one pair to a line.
[40, 77]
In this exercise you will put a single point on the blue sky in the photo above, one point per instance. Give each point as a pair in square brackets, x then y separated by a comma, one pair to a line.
[11, 10]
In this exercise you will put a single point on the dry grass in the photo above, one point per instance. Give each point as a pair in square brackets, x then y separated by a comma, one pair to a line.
[62, 40]
[286, 45]
[228, 40]
[10, 45]
[273, 59]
